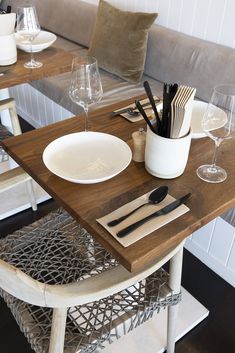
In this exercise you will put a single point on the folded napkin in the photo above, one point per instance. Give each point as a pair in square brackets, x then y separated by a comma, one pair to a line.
[146, 228]
[148, 110]
[181, 111]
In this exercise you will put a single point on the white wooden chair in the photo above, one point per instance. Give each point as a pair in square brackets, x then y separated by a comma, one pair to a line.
[15, 176]
[68, 294]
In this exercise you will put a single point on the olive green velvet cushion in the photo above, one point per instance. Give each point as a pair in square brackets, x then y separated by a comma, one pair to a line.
[119, 41]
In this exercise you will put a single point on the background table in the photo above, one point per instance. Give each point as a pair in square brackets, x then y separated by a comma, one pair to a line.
[55, 61]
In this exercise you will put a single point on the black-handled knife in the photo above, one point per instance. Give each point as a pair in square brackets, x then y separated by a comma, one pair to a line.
[167, 209]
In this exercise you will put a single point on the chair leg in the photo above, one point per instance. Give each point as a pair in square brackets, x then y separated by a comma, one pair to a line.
[58, 330]
[13, 124]
[31, 194]
[175, 285]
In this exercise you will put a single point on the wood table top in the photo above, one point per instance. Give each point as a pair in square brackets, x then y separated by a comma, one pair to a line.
[86, 203]
[55, 61]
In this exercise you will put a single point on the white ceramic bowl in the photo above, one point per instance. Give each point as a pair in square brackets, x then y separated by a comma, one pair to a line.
[41, 42]
[87, 157]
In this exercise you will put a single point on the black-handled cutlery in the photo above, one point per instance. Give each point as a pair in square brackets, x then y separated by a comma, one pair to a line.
[151, 99]
[144, 115]
[132, 110]
[163, 211]
[169, 92]
[155, 197]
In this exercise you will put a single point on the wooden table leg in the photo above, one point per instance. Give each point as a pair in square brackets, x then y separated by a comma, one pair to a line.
[175, 284]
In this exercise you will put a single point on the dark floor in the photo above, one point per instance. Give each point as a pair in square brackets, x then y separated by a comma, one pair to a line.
[216, 334]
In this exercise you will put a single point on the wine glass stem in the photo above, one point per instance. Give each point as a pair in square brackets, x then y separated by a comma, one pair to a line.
[31, 52]
[215, 154]
[85, 107]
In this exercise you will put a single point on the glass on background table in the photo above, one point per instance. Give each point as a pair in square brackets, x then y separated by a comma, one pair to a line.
[28, 27]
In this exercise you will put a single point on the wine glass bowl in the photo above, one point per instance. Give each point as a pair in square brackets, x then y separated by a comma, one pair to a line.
[219, 124]
[28, 27]
[85, 87]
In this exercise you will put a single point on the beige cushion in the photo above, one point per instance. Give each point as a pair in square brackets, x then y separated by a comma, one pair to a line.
[119, 41]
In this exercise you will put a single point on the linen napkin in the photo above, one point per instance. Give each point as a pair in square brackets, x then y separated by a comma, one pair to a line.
[148, 110]
[144, 211]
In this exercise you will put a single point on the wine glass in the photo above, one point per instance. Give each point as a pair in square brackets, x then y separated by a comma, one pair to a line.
[27, 26]
[219, 124]
[85, 87]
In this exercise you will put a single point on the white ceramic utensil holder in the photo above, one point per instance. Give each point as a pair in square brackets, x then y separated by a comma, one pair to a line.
[166, 158]
[8, 52]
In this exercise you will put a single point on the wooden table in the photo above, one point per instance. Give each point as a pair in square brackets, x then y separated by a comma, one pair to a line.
[86, 203]
[55, 61]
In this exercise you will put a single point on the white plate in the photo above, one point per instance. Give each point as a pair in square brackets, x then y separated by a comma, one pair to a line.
[87, 157]
[198, 111]
[41, 42]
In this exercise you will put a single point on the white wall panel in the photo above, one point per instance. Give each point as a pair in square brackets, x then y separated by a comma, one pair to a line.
[215, 20]
[163, 12]
[214, 245]
[203, 236]
[201, 16]
[221, 242]
[174, 14]
[151, 5]
[231, 258]
[41, 110]
[187, 17]
[227, 34]
[208, 19]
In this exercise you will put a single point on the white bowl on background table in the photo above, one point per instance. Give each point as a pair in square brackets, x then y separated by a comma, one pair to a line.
[42, 41]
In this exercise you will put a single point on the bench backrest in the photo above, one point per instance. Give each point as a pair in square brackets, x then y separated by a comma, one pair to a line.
[171, 56]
